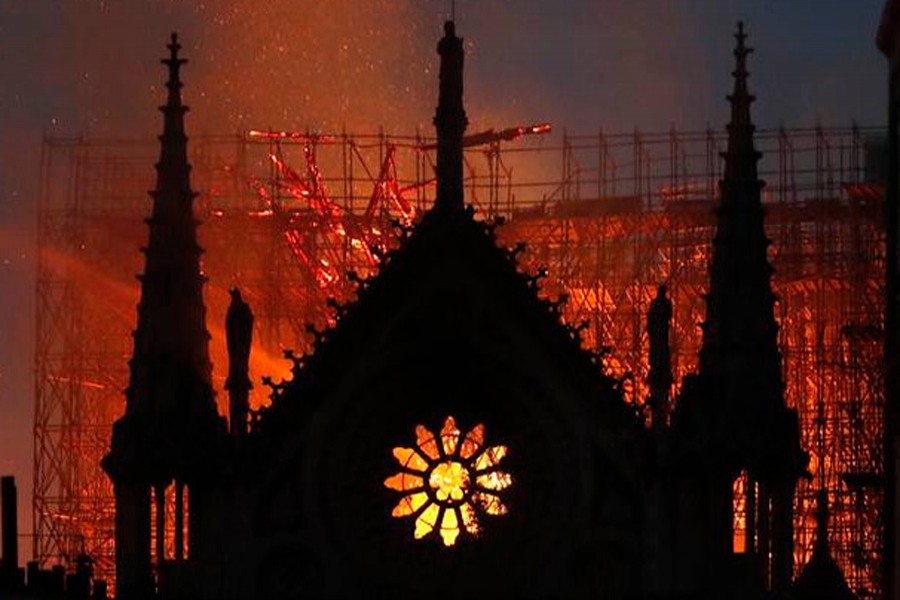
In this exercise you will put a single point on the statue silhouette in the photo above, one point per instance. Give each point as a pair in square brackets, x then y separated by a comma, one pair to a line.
[239, 336]
[658, 322]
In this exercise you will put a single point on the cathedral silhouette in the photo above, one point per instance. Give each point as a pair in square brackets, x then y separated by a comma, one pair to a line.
[503, 463]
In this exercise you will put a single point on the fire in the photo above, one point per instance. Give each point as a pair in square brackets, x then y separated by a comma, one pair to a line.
[449, 480]
[289, 240]
[445, 482]
[256, 134]
[315, 224]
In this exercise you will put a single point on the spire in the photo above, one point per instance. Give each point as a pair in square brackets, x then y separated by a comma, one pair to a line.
[740, 305]
[741, 98]
[742, 156]
[174, 63]
[740, 360]
[170, 369]
[171, 335]
[170, 429]
[450, 122]
[173, 162]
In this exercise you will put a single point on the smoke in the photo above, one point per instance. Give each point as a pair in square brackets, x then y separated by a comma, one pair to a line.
[324, 65]
[91, 67]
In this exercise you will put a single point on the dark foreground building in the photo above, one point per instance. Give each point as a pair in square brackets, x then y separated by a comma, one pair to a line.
[502, 464]
[32, 582]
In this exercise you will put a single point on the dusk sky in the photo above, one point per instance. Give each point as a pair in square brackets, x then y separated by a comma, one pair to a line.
[91, 67]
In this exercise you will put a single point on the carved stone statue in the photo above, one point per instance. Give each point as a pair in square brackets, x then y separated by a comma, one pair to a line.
[239, 336]
[659, 318]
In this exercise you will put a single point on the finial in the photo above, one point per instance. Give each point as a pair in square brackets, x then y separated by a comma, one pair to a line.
[741, 51]
[174, 61]
[741, 98]
[450, 121]
[174, 46]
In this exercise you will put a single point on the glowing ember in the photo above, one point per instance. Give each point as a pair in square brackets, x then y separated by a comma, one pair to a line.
[321, 233]
[450, 501]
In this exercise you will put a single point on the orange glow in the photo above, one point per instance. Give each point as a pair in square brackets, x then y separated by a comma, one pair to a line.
[449, 480]
[449, 437]
[540, 128]
[449, 527]
[450, 501]
[410, 504]
[495, 481]
[739, 514]
[426, 443]
[410, 459]
[490, 503]
[427, 520]
[490, 458]
[403, 482]
[257, 134]
[472, 442]
[634, 232]
[313, 223]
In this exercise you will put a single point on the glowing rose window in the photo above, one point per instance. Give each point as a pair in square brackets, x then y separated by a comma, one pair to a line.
[448, 482]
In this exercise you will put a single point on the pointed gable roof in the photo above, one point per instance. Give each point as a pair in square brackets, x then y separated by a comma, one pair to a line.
[450, 326]
[448, 269]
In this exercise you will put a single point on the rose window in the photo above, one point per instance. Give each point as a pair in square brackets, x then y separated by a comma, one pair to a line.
[448, 482]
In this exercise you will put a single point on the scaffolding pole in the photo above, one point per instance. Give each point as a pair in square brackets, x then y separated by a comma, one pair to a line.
[610, 216]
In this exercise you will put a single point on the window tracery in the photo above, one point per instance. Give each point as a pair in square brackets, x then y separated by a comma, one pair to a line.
[449, 481]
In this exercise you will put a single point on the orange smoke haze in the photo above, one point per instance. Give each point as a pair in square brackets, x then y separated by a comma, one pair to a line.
[117, 299]
[262, 362]
[337, 63]
[91, 67]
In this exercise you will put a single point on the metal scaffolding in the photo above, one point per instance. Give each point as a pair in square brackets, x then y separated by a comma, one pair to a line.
[610, 216]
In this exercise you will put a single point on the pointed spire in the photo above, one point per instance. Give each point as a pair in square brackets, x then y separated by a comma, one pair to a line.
[173, 169]
[742, 156]
[740, 303]
[174, 62]
[171, 428]
[741, 99]
[451, 122]
[740, 359]
[171, 339]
